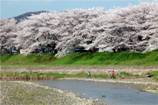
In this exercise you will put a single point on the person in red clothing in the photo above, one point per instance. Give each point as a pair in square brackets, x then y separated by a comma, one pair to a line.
[113, 74]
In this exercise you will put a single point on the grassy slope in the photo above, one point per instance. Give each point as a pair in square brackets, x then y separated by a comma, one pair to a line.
[106, 58]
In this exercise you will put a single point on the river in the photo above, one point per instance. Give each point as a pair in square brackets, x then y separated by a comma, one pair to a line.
[110, 93]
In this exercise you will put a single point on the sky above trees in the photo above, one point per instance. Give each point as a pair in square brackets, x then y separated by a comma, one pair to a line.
[11, 8]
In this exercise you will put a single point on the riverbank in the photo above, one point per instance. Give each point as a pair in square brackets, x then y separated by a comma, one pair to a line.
[115, 75]
[147, 81]
[29, 93]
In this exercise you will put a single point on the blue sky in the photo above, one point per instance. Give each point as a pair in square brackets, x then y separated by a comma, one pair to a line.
[11, 8]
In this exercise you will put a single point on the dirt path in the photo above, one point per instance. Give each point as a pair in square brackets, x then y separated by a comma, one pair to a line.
[78, 69]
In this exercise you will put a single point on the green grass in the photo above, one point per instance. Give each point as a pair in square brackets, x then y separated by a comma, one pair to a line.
[78, 59]
[154, 74]
[32, 59]
[50, 75]
[124, 74]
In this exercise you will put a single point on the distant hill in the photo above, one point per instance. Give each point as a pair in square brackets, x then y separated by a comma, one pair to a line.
[26, 15]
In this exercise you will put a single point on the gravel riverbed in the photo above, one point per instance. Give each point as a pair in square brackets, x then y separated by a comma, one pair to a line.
[29, 93]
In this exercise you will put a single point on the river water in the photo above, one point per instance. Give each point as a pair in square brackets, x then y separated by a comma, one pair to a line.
[111, 93]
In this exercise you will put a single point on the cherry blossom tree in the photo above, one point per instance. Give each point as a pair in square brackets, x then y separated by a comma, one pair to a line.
[7, 36]
[133, 28]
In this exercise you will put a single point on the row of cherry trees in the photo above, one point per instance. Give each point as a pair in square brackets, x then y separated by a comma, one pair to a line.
[133, 29]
